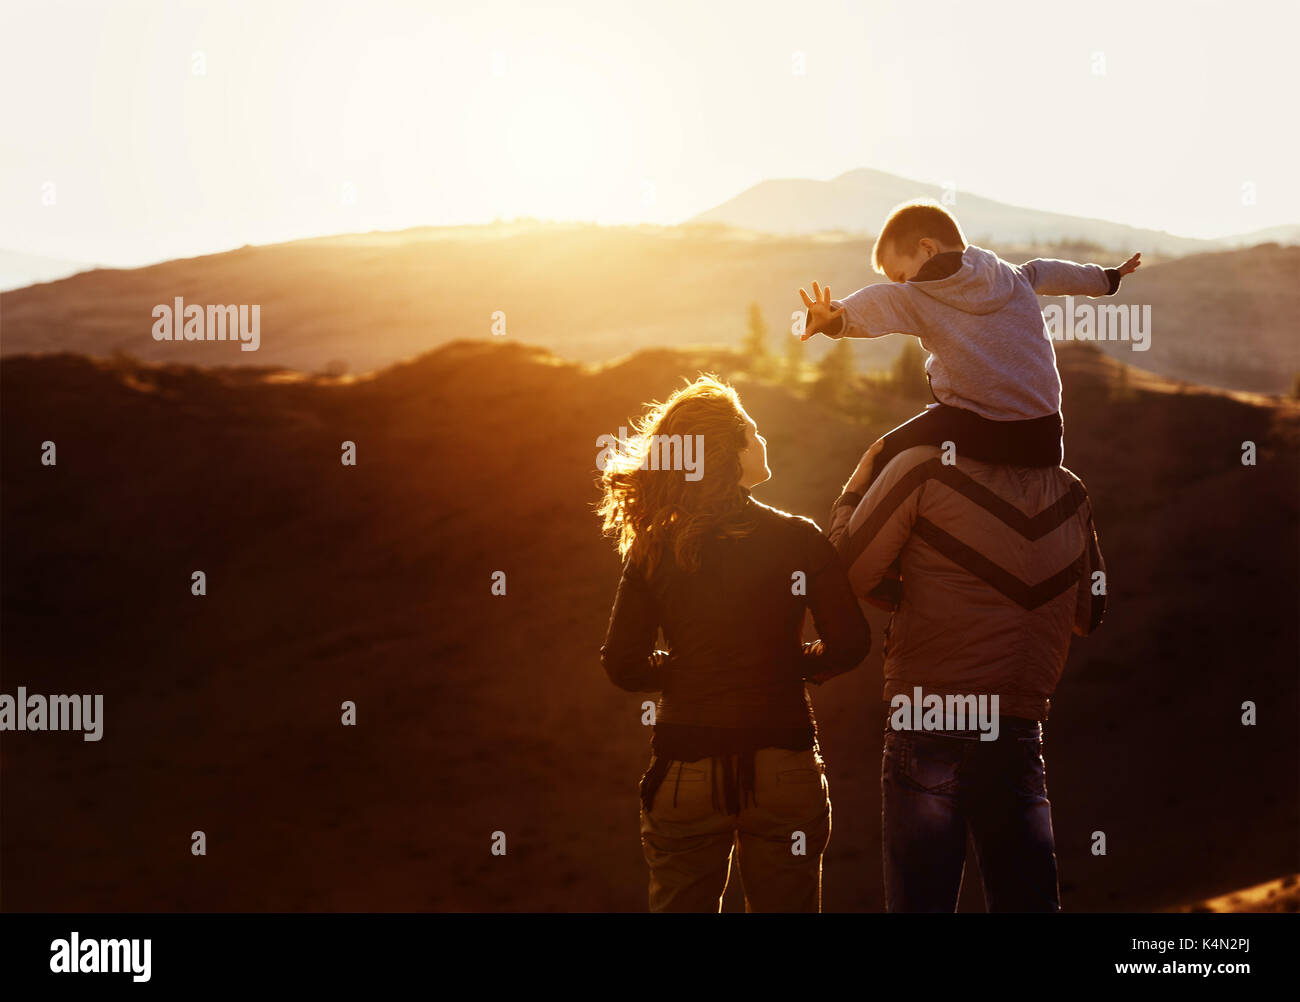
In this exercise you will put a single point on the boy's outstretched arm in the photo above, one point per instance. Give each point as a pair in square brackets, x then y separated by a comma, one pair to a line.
[1051, 277]
[872, 311]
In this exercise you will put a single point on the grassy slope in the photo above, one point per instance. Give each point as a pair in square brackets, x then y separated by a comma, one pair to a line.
[479, 713]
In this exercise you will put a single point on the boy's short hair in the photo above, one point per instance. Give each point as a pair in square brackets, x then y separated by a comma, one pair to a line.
[911, 221]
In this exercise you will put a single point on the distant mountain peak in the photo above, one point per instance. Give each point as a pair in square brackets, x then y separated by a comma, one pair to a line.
[858, 201]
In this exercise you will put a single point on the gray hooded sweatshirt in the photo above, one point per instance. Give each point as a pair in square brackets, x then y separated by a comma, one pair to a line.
[990, 349]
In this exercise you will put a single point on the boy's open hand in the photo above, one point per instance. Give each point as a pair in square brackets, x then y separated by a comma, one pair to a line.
[820, 311]
[1131, 265]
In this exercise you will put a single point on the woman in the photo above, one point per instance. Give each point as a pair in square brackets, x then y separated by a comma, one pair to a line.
[734, 757]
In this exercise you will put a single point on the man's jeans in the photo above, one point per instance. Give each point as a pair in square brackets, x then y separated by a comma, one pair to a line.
[936, 784]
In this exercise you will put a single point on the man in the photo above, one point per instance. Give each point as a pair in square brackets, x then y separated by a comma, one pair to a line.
[999, 566]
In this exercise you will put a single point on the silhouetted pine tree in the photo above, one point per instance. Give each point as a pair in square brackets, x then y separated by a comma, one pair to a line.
[755, 343]
[835, 372]
[794, 358]
[909, 371]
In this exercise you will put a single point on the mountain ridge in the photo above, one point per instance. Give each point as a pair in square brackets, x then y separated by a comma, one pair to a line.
[858, 201]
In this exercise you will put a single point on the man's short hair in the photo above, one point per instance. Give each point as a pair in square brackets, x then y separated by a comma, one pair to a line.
[910, 222]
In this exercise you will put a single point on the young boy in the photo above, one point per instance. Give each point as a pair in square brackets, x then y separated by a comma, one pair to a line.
[992, 367]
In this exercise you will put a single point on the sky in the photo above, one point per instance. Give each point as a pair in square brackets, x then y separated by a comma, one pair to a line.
[140, 131]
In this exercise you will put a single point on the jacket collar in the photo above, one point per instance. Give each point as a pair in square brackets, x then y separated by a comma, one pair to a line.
[939, 266]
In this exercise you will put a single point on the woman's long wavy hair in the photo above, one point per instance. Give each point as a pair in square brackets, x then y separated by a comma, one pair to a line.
[648, 510]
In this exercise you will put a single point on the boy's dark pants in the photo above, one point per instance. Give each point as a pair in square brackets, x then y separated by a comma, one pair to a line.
[1035, 442]
[936, 785]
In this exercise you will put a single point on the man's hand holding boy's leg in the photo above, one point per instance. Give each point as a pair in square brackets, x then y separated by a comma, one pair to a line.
[861, 478]
[847, 503]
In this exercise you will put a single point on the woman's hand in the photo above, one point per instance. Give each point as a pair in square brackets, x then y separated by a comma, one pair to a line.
[661, 663]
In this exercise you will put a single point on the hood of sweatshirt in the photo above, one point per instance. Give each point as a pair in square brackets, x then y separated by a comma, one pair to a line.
[982, 284]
